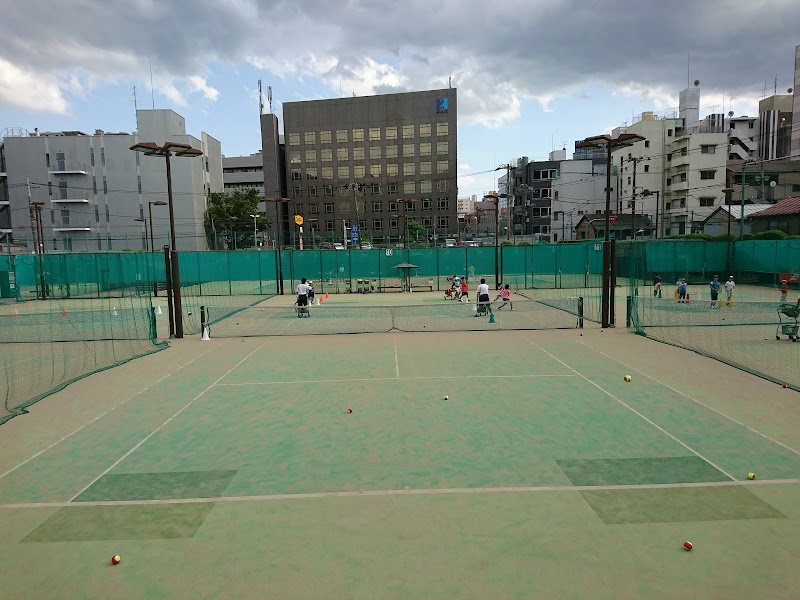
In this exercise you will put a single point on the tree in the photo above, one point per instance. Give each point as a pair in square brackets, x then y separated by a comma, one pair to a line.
[228, 223]
[416, 231]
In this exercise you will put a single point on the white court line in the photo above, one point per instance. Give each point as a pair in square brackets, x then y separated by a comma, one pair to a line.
[722, 414]
[69, 435]
[307, 381]
[396, 362]
[636, 412]
[409, 492]
[157, 429]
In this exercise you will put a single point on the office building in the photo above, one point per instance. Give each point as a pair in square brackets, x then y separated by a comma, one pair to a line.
[243, 172]
[97, 192]
[365, 164]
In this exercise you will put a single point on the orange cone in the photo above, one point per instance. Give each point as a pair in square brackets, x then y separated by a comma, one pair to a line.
[321, 300]
[687, 297]
[63, 312]
[326, 294]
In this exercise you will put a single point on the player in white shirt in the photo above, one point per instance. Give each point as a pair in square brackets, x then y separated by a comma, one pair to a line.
[483, 298]
[729, 285]
[302, 298]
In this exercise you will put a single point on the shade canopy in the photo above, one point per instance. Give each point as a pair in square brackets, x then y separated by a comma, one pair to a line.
[405, 265]
[624, 139]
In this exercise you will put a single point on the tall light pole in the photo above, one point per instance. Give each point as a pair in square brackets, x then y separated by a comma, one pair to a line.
[167, 150]
[610, 143]
[37, 209]
[150, 206]
[496, 199]
[656, 194]
[255, 230]
[728, 195]
[279, 265]
[144, 220]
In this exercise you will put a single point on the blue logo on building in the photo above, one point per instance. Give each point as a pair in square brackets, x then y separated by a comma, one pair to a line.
[441, 105]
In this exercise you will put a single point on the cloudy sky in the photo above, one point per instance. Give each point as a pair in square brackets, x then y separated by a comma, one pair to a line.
[531, 75]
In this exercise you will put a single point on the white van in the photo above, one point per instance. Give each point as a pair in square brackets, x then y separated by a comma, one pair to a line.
[449, 243]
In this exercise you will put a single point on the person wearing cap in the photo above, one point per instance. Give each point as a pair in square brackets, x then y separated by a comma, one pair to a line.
[729, 285]
[681, 290]
[311, 292]
[714, 286]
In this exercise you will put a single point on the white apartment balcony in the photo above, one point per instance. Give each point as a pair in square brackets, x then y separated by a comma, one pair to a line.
[3, 174]
[62, 228]
[63, 168]
[70, 201]
[5, 203]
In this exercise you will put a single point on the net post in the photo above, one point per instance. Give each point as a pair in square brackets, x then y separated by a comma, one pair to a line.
[612, 283]
[168, 272]
[153, 328]
[203, 320]
[628, 307]
[580, 312]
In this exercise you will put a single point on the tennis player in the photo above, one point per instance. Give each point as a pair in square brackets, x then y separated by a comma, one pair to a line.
[483, 297]
[302, 296]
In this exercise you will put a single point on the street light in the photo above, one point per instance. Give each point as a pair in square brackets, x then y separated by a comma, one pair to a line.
[37, 208]
[610, 143]
[167, 150]
[150, 211]
[255, 230]
[279, 224]
[496, 199]
[637, 233]
[728, 196]
[144, 220]
[656, 193]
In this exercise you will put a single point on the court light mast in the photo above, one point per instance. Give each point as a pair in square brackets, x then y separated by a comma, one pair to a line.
[495, 198]
[610, 144]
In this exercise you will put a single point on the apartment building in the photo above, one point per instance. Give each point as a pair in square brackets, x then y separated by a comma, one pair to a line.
[366, 165]
[243, 172]
[98, 193]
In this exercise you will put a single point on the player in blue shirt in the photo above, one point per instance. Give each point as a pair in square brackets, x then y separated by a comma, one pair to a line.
[714, 286]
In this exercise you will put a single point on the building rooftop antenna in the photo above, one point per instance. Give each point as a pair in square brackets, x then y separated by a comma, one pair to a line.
[269, 98]
[260, 99]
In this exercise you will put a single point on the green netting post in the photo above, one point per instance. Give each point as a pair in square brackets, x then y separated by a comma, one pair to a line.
[628, 306]
[659, 292]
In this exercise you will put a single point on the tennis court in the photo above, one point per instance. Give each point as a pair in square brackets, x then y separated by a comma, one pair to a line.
[232, 468]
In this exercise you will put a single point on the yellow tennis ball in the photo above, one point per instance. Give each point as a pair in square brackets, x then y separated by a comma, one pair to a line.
[751, 475]
[627, 378]
[447, 397]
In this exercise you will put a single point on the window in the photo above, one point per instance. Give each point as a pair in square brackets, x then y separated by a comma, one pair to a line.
[669, 157]
[375, 189]
[669, 132]
[441, 147]
[795, 187]
[441, 185]
[294, 157]
[408, 131]
[682, 177]
[427, 221]
[296, 191]
[358, 135]
[91, 155]
[441, 129]
[750, 126]
[96, 213]
[629, 179]
[669, 180]
[441, 166]
[425, 149]
[94, 184]
[391, 187]
[105, 185]
[327, 155]
[343, 172]
[647, 143]
[684, 151]
[392, 206]
[647, 168]
[62, 190]
[329, 225]
[668, 205]
[391, 170]
[312, 191]
[408, 150]
[425, 186]
[374, 134]
[709, 174]
[362, 224]
[443, 221]
[409, 169]
[139, 183]
[324, 137]
[341, 136]
[327, 172]
[409, 187]
[391, 133]
[359, 171]
[108, 216]
[313, 209]
[374, 152]
[294, 139]
[706, 201]
[311, 173]
[327, 207]
[425, 130]
[708, 149]
[294, 175]
[311, 156]
[393, 223]
[358, 153]
[103, 156]
[442, 204]
[60, 161]
[426, 204]
[311, 138]
[327, 190]
[343, 154]
[377, 224]
[424, 168]
[391, 151]
[298, 209]
[375, 170]
[377, 206]
[683, 203]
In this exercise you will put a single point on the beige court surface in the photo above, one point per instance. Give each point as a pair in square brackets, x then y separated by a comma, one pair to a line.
[233, 469]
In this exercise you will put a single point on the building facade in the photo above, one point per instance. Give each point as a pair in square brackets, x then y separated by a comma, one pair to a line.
[372, 163]
[795, 143]
[243, 172]
[578, 191]
[775, 127]
[98, 193]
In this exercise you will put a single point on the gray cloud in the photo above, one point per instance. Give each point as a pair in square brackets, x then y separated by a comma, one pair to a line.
[497, 55]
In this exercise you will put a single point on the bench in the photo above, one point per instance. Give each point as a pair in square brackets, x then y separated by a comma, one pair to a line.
[401, 288]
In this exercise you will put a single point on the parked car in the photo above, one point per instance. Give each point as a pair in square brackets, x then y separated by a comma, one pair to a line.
[326, 246]
[366, 246]
[338, 246]
[449, 243]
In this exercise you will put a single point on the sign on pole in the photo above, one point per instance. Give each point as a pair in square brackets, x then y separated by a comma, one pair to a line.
[611, 219]
[298, 219]
[354, 235]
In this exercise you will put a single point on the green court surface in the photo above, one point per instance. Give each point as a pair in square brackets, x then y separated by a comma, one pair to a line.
[233, 469]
